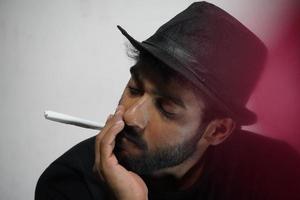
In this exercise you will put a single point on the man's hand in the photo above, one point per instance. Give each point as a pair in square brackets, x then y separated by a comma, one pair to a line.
[125, 184]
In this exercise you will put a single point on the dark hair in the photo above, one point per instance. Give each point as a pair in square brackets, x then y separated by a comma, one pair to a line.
[151, 66]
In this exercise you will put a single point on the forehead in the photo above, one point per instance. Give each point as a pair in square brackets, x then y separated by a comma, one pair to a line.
[165, 82]
[159, 74]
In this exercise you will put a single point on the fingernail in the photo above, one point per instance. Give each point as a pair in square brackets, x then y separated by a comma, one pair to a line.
[109, 117]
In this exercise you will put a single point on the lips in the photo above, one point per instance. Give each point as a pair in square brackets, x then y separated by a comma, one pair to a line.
[127, 148]
[130, 138]
[127, 143]
[123, 141]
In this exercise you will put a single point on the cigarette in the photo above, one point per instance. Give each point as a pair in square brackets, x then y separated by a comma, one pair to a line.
[67, 119]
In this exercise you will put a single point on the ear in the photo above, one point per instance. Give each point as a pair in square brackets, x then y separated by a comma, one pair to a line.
[218, 130]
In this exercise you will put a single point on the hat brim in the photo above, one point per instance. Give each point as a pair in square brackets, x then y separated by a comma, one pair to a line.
[242, 115]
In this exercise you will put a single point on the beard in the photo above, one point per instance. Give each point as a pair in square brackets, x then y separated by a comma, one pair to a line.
[150, 161]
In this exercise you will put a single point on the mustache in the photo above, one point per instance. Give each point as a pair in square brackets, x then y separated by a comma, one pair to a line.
[131, 134]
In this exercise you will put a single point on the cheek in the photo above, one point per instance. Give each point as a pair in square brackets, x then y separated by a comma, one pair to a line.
[159, 134]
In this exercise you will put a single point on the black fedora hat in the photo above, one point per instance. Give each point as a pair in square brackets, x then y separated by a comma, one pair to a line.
[214, 51]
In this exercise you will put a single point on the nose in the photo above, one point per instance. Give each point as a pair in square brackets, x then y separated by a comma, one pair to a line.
[137, 113]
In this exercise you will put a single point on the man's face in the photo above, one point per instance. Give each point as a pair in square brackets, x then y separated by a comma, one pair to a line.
[162, 124]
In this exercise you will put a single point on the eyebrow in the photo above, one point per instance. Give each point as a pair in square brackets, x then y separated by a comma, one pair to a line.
[164, 94]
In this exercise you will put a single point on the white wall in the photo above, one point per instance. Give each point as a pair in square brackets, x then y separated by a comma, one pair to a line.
[69, 57]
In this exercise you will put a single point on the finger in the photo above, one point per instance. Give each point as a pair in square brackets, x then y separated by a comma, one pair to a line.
[110, 120]
[99, 137]
[108, 160]
[104, 131]
[108, 140]
[96, 168]
[108, 124]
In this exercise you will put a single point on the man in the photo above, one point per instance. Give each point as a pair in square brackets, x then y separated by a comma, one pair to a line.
[176, 133]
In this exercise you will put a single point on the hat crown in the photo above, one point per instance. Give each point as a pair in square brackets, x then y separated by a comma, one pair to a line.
[221, 51]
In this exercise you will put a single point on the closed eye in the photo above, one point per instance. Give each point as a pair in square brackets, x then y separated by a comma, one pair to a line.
[160, 105]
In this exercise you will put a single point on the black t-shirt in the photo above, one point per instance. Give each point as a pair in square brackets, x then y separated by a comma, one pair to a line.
[246, 166]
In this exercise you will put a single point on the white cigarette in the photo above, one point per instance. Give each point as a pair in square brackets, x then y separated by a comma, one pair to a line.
[67, 119]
